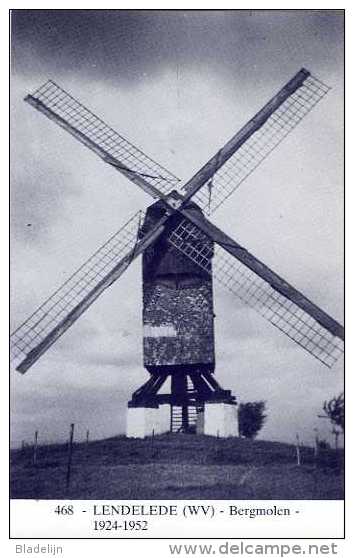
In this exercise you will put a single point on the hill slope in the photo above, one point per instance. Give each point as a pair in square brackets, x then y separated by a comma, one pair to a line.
[177, 466]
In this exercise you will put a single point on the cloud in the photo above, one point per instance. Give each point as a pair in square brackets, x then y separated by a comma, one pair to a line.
[126, 44]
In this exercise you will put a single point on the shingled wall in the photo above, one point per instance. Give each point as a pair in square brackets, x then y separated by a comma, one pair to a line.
[178, 314]
[184, 318]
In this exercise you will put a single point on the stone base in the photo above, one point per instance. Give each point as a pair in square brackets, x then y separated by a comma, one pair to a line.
[220, 419]
[143, 421]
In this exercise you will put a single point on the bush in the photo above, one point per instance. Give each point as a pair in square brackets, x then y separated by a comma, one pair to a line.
[334, 410]
[323, 445]
[251, 418]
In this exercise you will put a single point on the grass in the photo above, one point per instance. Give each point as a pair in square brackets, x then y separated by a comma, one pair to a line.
[177, 466]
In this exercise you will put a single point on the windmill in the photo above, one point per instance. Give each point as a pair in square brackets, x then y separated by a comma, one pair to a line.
[182, 252]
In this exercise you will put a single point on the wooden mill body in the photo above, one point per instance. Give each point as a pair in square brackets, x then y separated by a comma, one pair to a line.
[178, 328]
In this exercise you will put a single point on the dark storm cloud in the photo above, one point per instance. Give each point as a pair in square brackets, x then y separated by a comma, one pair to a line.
[121, 45]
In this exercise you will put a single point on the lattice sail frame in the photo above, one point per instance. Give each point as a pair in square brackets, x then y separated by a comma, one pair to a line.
[88, 128]
[57, 307]
[61, 107]
[258, 294]
[261, 143]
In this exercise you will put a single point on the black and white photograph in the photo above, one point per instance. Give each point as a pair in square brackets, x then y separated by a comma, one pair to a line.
[177, 255]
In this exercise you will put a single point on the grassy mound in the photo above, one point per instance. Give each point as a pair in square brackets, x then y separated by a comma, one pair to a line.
[177, 466]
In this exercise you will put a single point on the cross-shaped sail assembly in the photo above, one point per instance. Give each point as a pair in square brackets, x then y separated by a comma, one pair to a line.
[233, 266]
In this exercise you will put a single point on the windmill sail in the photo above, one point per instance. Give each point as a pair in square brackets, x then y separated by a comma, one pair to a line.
[222, 174]
[65, 306]
[68, 113]
[275, 299]
[262, 289]
[239, 157]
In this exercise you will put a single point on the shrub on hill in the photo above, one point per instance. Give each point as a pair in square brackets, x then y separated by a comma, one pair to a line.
[251, 417]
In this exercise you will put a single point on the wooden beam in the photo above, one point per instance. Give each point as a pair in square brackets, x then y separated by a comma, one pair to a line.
[107, 158]
[272, 278]
[70, 453]
[106, 282]
[210, 168]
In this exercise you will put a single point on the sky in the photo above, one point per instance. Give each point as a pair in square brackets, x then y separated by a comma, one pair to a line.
[178, 84]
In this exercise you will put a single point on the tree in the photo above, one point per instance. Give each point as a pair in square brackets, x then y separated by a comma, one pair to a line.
[251, 418]
[334, 410]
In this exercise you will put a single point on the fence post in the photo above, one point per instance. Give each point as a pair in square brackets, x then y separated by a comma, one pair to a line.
[336, 436]
[35, 446]
[70, 451]
[152, 442]
[87, 439]
[316, 443]
[298, 456]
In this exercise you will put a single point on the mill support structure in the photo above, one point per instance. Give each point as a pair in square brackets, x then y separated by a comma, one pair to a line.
[197, 405]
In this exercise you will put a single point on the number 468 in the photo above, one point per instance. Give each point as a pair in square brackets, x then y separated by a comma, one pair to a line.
[64, 510]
